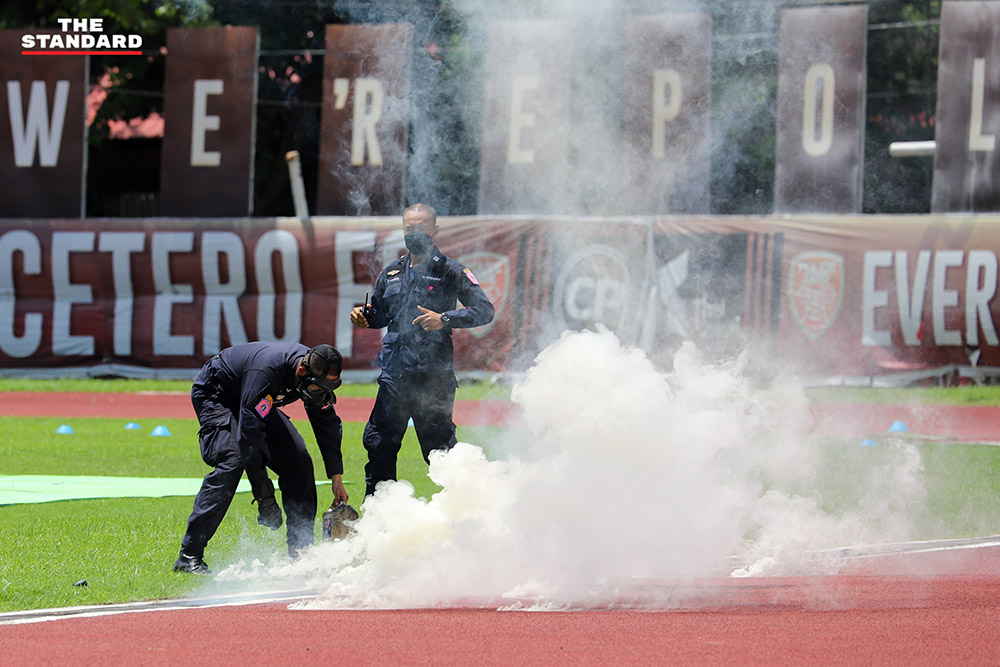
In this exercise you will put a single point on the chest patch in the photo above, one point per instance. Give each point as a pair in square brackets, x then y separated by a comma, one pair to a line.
[264, 407]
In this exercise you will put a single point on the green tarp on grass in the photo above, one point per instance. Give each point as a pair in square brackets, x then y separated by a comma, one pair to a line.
[18, 489]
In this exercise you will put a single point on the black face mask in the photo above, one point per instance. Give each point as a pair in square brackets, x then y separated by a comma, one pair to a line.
[417, 242]
[314, 395]
[317, 390]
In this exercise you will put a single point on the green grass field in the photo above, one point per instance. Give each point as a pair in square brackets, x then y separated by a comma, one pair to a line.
[124, 548]
[965, 395]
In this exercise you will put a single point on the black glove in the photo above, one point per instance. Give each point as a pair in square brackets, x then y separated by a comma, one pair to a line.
[268, 512]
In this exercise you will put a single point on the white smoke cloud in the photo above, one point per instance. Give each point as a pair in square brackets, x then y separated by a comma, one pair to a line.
[619, 479]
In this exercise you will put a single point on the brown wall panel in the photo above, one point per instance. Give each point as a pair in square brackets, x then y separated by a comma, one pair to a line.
[523, 159]
[819, 147]
[42, 147]
[210, 113]
[968, 109]
[667, 113]
[363, 146]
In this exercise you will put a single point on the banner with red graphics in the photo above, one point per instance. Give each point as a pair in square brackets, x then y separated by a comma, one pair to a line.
[821, 296]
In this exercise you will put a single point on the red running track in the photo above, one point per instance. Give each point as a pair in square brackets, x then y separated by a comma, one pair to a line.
[136, 406]
[963, 423]
[826, 620]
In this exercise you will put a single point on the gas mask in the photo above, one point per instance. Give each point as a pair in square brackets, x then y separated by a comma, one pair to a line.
[315, 387]
[417, 242]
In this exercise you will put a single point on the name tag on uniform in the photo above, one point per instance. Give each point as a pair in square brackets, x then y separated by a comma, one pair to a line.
[264, 407]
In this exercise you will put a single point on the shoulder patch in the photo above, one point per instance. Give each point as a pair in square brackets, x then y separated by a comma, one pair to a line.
[471, 276]
[264, 407]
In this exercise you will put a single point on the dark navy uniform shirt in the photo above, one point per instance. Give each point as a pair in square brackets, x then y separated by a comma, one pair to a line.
[254, 379]
[437, 285]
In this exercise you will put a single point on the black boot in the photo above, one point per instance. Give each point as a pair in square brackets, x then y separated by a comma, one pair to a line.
[191, 563]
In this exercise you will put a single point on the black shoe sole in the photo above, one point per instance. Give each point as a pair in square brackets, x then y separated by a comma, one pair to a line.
[184, 566]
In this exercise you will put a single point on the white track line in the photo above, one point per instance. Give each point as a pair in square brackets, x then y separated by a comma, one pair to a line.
[878, 550]
[920, 547]
[39, 615]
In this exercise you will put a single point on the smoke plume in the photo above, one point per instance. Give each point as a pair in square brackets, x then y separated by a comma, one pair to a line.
[621, 482]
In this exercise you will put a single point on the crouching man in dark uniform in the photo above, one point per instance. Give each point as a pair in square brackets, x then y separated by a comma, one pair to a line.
[236, 397]
[416, 298]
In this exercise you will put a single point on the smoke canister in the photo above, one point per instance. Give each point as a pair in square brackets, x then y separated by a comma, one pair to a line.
[328, 524]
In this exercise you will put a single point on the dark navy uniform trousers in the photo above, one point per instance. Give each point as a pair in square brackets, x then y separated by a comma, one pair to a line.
[418, 376]
[429, 401]
[289, 459]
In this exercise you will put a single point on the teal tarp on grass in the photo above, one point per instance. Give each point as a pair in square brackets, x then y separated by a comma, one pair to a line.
[17, 489]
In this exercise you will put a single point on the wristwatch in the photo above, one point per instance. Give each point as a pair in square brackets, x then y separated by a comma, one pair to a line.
[445, 319]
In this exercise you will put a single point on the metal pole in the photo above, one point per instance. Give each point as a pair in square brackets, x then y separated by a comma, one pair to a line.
[298, 187]
[912, 148]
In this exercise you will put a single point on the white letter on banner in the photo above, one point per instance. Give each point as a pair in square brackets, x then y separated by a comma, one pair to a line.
[201, 123]
[911, 308]
[977, 140]
[393, 246]
[943, 298]
[66, 293]
[169, 293]
[221, 298]
[977, 298]
[282, 242]
[813, 145]
[341, 87]
[367, 113]
[663, 113]
[349, 293]
[580, 296]
[872, 298]
[37, 131]
[121, 245]
[519, 120]
[27, 244]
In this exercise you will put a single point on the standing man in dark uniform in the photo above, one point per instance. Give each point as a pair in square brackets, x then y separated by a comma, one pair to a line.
[416, 298]
[236, 397]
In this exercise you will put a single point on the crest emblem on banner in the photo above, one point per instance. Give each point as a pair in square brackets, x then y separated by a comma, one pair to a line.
[593, 287]
[815, 290]
[492, 270]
